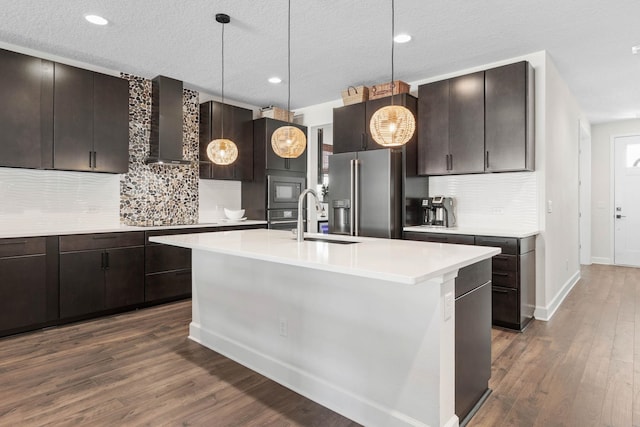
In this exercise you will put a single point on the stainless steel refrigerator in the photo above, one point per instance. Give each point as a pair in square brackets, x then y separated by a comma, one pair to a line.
[365, 193]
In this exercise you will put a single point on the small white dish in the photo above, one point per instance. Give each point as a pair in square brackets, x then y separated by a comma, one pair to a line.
[235, 220]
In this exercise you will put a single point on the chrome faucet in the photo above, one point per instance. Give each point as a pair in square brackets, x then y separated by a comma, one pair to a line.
[303, 195]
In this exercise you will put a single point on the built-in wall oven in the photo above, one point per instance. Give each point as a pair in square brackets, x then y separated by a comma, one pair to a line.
[283, 193]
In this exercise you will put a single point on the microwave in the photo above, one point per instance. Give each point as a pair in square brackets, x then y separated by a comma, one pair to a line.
[283, 192]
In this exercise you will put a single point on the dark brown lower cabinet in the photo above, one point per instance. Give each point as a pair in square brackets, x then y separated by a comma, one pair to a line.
[99, 272]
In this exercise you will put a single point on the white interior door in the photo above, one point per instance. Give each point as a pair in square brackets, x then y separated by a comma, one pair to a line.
[627, 202]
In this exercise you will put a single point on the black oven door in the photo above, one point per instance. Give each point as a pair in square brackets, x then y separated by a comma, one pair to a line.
[284, 191]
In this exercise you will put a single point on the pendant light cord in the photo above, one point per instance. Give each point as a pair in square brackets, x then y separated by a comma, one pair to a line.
[289, 62]
[222, 106]
[393, 24]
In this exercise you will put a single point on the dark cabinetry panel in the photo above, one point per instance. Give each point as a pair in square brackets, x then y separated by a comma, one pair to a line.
[238, 126]
[100, 272]
[91, 116]
[264, 156]
[451, 138]
[460, 239]
[25, 113]
[509, 118]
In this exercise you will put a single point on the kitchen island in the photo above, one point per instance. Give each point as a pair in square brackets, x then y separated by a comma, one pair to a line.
[365, 329]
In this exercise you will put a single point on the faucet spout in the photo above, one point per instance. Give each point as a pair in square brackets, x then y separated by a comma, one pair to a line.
[301, 199]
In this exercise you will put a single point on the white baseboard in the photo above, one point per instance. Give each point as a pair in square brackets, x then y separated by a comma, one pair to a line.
[334, 397]
[601, 260]
[546, 313]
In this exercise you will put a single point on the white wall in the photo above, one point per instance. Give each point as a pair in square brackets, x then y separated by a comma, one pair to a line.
[601, 186]
[214, 196]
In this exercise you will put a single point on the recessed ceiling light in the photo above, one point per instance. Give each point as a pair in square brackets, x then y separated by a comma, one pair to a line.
[402, 38]
[635, 49]
[275, 80]
[95, 19]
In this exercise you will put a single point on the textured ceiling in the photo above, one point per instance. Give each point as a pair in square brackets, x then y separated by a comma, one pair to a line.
[336, 43]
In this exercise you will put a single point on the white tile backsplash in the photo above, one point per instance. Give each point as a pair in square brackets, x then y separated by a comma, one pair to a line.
[57, 199]
[215, 195]
[499, 200]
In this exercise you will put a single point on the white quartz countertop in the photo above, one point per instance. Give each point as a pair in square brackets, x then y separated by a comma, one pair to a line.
[53, 230]
[394, 260]
[476, 231]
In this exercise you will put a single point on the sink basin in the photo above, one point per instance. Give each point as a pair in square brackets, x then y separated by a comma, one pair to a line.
[319, 239]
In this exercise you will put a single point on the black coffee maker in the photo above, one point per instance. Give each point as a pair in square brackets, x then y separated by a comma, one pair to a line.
[437, 211]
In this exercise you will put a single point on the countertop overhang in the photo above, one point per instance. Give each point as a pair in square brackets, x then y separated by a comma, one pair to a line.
[400, 261]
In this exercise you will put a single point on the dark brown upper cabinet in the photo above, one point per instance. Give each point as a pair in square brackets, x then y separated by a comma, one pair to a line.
[26, 91]
[451, 123]
[238, 127]
[509, 118]
[90, 117]
[351, 127]
[264, 156]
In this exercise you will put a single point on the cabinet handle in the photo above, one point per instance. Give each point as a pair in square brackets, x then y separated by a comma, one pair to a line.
[21, 242]
[102, 263]
[501, 274]
[183, 273]
[90, 159]
[106, 261]
[446, 161]
[363, 141]
[286, 164]
[95, 159]
[486, 155]
[103, 237]
[500, 291]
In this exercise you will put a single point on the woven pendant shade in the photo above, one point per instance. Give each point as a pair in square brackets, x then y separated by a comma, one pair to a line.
[222, 151]
[288, 142]
[392, 126]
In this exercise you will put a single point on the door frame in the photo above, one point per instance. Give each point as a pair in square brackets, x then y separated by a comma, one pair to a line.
[612, 191]
[584, 192]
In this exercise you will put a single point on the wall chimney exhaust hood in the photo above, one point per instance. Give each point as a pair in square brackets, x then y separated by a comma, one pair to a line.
[166, 122]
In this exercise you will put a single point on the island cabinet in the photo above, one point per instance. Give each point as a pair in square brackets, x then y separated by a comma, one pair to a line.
[451, 123]
[351, 128]
[100, 272]
[90, 121]
[28, 284]
[509, 118]
[238, 127]
[264, 156]
[26, 109]
[460, 239]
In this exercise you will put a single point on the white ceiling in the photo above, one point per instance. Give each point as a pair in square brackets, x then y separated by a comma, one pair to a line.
[336, 43]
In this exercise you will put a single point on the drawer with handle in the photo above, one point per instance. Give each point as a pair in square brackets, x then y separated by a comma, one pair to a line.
[509, 245]
[22, 246]
[85, 242]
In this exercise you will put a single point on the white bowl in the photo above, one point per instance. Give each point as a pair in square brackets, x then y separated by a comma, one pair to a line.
[234, 214]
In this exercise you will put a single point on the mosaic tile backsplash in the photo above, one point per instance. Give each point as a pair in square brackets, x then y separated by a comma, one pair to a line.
[159, 194]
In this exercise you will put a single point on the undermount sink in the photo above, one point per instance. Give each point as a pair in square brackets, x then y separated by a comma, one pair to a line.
[320, 239]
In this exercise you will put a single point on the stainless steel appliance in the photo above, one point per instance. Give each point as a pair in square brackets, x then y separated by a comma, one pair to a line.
[438, 211]
[283, 192]
[365, 193]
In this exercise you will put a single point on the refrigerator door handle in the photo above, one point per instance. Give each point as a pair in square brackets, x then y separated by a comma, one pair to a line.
[356, 201]
[351, 186]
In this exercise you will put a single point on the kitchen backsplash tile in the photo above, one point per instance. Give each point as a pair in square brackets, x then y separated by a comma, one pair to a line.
[216, 195]
[500, 200]
[159, 194]
[40, 199]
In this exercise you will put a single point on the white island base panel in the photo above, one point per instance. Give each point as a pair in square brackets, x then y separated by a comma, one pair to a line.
[375, 351]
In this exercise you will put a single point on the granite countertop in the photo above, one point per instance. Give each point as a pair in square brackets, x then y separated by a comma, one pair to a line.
[395, 260]
[475, 231]
[61, 230]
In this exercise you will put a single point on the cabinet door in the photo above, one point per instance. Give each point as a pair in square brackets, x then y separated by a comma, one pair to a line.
[124, 277]
[507, 118]
[25, 112]
[81, 283]
[506, 307]
[349, 130]
[110, 124]
[466, 123]
[22, 291]
[169, 285]
[275, 162]
[72, 118]
[433, 122]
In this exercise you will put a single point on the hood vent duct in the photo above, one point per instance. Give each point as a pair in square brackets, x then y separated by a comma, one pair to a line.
[166, 122]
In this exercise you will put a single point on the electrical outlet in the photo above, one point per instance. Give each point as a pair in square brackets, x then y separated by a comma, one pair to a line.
[549, 206]
[283, 327]
[448, 305]
[497, 211]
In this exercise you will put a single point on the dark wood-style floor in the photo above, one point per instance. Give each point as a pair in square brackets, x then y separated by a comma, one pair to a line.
[140, 369]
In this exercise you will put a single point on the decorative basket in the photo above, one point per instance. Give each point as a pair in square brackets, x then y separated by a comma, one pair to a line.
[355, 94]
[272, 112]
[384, 89]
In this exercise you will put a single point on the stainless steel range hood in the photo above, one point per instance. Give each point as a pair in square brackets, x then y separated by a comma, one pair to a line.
[166, 122]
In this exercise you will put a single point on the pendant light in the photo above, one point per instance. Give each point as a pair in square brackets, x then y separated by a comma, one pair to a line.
[222, 151]
[393, 125]
[288, 142]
